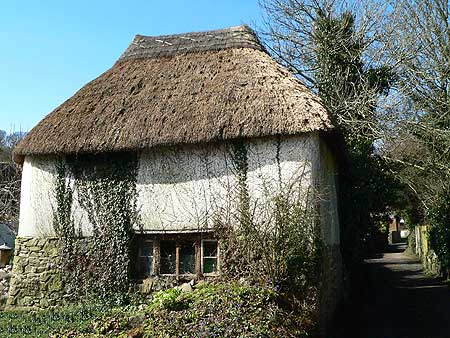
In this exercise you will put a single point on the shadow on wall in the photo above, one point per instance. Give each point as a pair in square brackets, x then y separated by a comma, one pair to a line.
[215, 160]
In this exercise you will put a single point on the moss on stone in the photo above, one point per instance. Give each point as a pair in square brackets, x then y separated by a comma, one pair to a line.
[35, 281]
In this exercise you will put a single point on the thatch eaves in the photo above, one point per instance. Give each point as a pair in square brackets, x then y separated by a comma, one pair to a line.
[190, 88]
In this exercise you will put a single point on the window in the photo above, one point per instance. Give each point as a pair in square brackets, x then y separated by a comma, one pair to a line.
[210, 255]
[168, 257]
[176, 255]
[146, 258]
[187, 258]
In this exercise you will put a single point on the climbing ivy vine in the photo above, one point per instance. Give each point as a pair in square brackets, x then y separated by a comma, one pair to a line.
[104, 187]
[282, 245]
[240, 165]
[440, 231]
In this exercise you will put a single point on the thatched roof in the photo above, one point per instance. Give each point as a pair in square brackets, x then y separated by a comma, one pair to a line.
[186, 88]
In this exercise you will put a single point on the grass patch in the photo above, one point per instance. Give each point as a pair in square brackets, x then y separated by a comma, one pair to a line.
[35, 324]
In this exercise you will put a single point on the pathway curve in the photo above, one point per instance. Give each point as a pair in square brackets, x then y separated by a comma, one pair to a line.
[398, 301]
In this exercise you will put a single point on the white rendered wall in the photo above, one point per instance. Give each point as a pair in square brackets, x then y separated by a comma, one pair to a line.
[179, 188]
[38, 202]
[186, 188]
[37, 198]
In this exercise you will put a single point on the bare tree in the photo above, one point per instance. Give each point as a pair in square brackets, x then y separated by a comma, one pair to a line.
[10, 176]
[419, 49]
[335, 48]
[8, 142]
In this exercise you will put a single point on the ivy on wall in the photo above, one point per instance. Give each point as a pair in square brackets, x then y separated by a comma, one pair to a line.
[104, 186]
[440, 231]
[283, 248]
[240, 164]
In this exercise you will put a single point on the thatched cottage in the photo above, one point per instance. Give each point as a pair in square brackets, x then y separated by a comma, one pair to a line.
[187, 106]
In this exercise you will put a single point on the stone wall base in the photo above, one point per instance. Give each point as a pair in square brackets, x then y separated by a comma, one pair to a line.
[36, 281]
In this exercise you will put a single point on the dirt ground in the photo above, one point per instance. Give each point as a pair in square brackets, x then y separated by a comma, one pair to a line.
[396, 299]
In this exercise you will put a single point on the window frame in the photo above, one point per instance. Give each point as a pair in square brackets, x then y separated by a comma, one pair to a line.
[139, 255]
[178, 250]
[159, 259]
[180, 239]
[217, 257]
[178, 243]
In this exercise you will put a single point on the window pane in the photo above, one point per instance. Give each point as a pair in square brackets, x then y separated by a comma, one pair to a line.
[187, 258]
[145, 266]
[145, 259]
[146, 248]
[209, 249]
[209, 265]
[168, 257]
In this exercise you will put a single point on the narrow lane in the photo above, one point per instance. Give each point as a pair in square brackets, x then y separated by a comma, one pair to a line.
[398, 300]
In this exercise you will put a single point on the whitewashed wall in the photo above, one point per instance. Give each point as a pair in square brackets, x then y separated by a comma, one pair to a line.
[184, 188]
[37, 198]
[38, 202]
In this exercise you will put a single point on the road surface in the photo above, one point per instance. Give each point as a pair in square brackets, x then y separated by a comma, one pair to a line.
[396, 299]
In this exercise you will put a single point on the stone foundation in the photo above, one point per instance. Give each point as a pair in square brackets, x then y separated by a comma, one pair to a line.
[36, 281]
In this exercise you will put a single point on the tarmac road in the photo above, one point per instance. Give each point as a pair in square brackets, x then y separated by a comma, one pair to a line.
[398, 300]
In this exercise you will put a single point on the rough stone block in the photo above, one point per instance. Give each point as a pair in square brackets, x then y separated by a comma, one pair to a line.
[55, 284]
[30, 269]
[25, 301]
[33, 242]
[13, 291]
[50, 250]
[41, 242]
[36, 281]
[44, 303]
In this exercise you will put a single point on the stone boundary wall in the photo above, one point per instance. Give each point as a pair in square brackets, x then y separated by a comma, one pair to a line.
[422, 249]
[36, 281]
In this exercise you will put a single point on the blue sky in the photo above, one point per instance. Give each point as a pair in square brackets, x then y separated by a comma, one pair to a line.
[51, 48]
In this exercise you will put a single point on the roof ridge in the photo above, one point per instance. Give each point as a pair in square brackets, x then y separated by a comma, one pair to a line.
[210, 31]
[167, 45]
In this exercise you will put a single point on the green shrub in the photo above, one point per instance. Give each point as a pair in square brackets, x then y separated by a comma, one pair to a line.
[440, 231]
[210, 310]
[223, 310]
[168, 299]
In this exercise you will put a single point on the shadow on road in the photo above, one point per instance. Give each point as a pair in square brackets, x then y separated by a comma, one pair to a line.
[392, 297]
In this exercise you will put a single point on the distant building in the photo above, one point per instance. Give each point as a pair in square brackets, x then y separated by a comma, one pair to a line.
[397, 229]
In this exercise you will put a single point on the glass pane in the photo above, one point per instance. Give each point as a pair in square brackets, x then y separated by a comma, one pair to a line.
[209, 249]
[145, 266]
[209, 265]
[168, 257]
[146, 248]
[187, 258]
